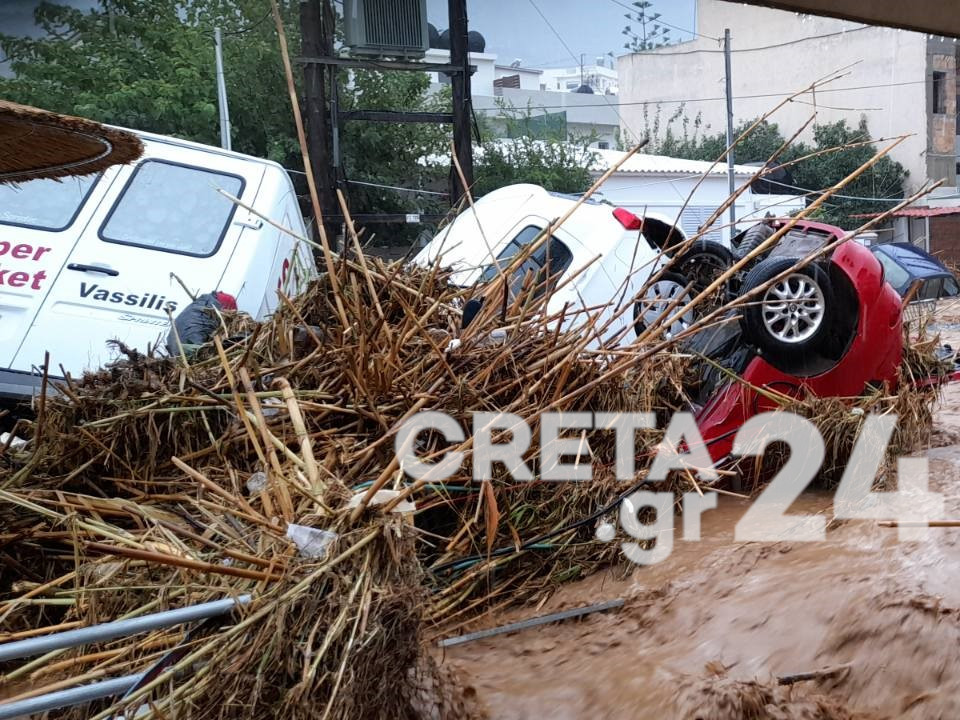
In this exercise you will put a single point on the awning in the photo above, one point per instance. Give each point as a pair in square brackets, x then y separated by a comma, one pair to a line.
[936, 17]
[35, 143]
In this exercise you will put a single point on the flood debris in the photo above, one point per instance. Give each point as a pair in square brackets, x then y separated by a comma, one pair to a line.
[154, 485]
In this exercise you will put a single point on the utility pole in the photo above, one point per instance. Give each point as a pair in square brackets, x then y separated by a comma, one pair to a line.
[316, 30]
[221, 92]
[730, 159]
[462, 103]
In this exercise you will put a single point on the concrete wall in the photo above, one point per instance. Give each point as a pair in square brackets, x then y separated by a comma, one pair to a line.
[481, 82]
[942, 127]
[529, 79]
[945, 238]
[808, 48]
[586, 114]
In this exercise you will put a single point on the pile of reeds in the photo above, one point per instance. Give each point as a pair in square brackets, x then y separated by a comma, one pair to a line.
[164, 482]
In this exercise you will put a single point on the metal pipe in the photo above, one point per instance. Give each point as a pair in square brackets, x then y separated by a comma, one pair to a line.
[66, 698]
[118, 628]
[221, 92]
[730, 154]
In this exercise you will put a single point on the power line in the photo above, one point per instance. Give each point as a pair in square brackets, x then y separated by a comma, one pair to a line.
[659, 21]
[397, 188]
[576, 59]
[787, 43]
[252, 26]
[808, 191]
[671, 101]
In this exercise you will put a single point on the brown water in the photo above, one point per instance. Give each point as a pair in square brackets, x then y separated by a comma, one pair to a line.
[706, 633]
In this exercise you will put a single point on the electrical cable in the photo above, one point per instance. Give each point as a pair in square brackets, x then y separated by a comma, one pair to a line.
[252, 26]
[395, 187]
[656, 52]
[672, 101]
[660, 21]
[529, 544]
[835, 195]
[576, 59]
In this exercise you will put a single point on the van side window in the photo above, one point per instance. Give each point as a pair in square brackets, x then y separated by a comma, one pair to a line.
[173, 208]
[44, 204]
[545, 265]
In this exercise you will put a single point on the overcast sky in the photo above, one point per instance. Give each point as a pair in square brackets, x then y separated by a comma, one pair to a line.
[513, 28]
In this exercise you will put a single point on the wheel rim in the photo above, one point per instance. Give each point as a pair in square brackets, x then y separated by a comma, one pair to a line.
[659, 296]
[793, 308]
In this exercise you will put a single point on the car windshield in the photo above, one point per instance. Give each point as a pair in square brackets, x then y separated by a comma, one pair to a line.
[544, 265]
[44, 204]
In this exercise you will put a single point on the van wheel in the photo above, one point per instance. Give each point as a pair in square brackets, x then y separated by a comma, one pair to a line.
[789, 319]
[660, 302]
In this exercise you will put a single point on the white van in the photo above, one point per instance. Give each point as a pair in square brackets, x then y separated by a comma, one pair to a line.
[87, 260]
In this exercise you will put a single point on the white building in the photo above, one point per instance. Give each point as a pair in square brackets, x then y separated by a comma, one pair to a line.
[601, 76]
[494, 84]
[904, 82]
[671, 188]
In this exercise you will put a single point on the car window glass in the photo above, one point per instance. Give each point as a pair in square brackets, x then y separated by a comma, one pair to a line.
[950, 287]
[173, 208]
[892, 272]
[930, 290]
[44, 204]
[544, 266]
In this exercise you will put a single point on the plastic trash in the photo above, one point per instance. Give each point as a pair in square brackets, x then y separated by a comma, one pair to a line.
[198, 321]
[311, 542]
[256, 482]
[382, 497]
[15, 443]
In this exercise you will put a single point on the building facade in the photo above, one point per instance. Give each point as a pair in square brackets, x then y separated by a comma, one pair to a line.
[601, 76]
[904, 83]
[500, 91]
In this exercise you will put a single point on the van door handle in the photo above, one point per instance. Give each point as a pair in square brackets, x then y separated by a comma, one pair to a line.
[93, 268]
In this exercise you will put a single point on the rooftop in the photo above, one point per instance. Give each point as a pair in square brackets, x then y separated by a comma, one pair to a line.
[663, 165]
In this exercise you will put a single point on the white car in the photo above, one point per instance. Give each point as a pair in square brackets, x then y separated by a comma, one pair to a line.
[596, 262]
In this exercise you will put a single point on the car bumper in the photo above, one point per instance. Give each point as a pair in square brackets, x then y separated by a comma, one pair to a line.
[21, 386]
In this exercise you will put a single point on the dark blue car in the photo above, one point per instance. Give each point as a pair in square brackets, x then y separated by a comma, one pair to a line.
[905, 263]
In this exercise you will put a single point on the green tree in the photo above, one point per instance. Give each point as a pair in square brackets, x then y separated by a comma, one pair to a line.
[149, 64]
[650, 34]
[883, 181]
[538, 149]
[401, 155]
[847, 150]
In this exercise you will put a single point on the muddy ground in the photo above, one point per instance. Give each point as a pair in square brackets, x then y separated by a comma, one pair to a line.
[707, 633]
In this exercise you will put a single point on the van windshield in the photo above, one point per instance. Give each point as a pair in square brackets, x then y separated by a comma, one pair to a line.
[44, 204]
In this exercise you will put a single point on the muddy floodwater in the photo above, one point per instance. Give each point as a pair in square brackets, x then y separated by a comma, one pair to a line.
[707, 633]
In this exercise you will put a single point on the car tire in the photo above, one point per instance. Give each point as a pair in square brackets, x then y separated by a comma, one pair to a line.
[790, 319]
[657, 298]
[703, 263]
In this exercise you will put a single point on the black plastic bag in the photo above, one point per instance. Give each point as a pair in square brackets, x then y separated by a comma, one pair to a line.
[198, 321]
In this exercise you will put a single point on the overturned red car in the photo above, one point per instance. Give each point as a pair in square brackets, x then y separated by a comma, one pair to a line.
[831, 328]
